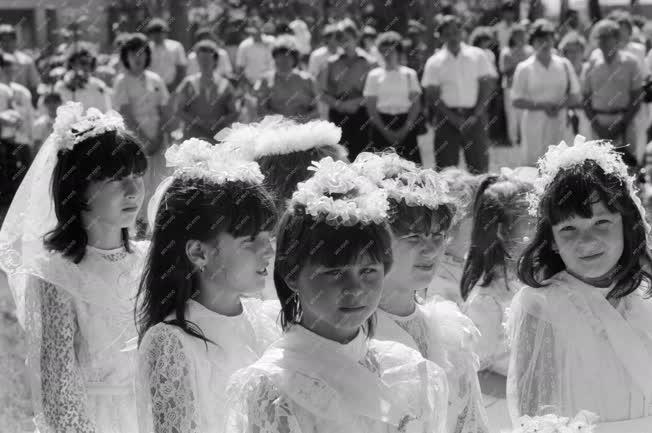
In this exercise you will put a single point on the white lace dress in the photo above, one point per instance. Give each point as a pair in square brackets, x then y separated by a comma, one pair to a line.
[573, 350]
[487, 306]
[446, 282]
[305, 383]
[182, 379]
[444, 335]
[79, 321]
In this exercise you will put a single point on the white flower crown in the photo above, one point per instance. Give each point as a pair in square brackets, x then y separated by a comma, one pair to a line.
[72, 126]
[583, 422]
[404, 181]
[563, 156]
[277, 135]
[341, 195]
[195, 158]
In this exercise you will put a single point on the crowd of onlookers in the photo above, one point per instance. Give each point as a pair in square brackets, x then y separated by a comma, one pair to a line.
[529, 84]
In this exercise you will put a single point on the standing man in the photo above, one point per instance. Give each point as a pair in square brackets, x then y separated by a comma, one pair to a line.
[168, 56]
[458, 80]
[342, 85]
[613, 89]
[504, 27]
[254, 57]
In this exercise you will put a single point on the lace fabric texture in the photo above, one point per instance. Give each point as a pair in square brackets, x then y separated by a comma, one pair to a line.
[81, 378]
[267, 397]
[438, 333]
[572, 350]
[182, 380]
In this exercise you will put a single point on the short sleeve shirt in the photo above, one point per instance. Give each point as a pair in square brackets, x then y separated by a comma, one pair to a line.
[166, 57]
[145, 94]
[537, 83]
[458, 76]
[609, 84]
[392, 88]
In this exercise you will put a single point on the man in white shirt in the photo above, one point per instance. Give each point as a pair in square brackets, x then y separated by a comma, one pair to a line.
[319, 59]
[458, 80]
[168, 56]
[254, 56]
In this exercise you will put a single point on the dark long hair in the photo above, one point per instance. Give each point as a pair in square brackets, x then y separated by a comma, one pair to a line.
[301, 240]
[499, 202]
[111, 155]
[571, 193]
[284, 172]
[193, 209]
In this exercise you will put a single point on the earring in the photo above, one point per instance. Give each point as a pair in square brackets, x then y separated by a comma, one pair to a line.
[202, 268]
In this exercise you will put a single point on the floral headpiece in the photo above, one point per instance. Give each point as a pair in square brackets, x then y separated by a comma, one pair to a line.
[404, 181]
[197, 158]
[340, 195]
[277, 135]
[583, 422]
[72, 126]
[563, 156]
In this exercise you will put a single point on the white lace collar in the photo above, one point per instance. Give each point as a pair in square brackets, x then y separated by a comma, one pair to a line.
[112, 255]
[356, 349]
[586, 287]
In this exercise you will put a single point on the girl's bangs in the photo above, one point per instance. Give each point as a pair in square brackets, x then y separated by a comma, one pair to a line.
[329, 246]
[575, 190]
[251, 210]
[419, 219]
[111, 155]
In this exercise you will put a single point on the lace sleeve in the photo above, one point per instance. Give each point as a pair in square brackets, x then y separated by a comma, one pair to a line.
[257, 406]
[466, 412]
[62, 391]
[167, 395]
[532, 381]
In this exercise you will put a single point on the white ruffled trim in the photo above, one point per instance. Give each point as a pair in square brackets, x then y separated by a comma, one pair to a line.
[357, 199]
[563, 156]
[583, 422]
[91, 124]
[195, 158]
[277, 135]
[404, 181]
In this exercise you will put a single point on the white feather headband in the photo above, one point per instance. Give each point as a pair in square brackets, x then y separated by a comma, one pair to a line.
[563, 156]
[277, 135]
[340, 195]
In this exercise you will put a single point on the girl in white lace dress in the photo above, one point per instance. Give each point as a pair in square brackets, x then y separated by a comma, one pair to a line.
[284, 150]
[501, 228]
[581, 330]
[325, 375]
[210, 249]
[74, 272]
[421, 211]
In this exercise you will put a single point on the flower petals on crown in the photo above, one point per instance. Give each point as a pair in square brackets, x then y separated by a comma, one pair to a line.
[563, 156]
[340, 195]
[403, 180]
[72, 126]
[195, 158]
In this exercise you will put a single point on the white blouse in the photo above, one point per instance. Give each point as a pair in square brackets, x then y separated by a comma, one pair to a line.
[182, 379]
[393, 89]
